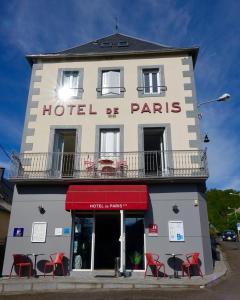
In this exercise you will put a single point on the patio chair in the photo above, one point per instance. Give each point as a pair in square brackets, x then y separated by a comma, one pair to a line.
[192, 260]
[90, 167]
[21, 261]
[54, 262]
[121, 167]
[153, 261]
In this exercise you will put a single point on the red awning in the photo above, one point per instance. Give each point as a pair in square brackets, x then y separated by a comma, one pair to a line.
[107, 197]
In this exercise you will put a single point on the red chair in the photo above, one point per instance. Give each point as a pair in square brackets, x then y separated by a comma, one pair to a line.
[121, 167]
[54, 262]
[21, 261]
[90, 167]
[153, 261]
[192, 260]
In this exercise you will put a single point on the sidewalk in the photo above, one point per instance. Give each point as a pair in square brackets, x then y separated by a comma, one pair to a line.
[41, 284]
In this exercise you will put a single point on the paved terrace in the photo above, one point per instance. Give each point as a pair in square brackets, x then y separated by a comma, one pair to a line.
[41, 284]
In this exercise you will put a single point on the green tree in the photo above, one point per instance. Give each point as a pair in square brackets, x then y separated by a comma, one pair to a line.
[221, 205]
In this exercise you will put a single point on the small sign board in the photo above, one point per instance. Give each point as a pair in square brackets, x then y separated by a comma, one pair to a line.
[238, 226]
[39, 230]
[153, 230]
[176, 231]
[17, 231]
[58, 231]
[66, 230]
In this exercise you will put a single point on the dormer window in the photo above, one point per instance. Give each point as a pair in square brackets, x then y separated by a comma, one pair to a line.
[106, 44]
[122, 44]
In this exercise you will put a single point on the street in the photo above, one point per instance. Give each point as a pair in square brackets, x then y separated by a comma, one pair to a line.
[227, 288]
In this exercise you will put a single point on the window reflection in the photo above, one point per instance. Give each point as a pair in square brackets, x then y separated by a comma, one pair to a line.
[134, 229]
[82, 242]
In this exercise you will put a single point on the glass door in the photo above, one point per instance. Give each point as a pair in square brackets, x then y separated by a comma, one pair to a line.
[82, 241]
[134, 241]
[58, 149]
[64, 152]
[107, 245]
[153, 151]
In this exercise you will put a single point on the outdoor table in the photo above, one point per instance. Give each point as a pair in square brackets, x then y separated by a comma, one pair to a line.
[35, 255]
[106, 161]
[175, 272]
[107, 168]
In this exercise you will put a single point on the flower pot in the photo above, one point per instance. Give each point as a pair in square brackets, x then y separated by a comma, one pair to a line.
[136, 267]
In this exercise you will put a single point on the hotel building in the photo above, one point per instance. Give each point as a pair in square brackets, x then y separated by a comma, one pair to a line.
[111, 162]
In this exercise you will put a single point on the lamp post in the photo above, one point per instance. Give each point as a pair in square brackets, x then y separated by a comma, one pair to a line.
[221, 98]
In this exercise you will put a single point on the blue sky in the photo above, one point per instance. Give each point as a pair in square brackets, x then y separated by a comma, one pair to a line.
[52, 25]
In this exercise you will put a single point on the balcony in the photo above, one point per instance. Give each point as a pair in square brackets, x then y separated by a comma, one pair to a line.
[111, 166]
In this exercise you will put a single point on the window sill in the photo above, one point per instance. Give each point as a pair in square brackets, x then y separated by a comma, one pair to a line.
[100, 96]
[142, 95]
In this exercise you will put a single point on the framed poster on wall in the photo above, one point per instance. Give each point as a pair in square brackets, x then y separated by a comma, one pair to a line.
[39, 231]
[176, 231]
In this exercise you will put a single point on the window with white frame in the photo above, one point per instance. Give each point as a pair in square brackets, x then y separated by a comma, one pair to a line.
[69, 83]
[109, 142]
[151, 81]
[111, 82]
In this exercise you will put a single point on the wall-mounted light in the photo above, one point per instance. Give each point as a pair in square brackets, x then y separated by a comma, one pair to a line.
[206, 139]
[195, 202]
[175, 208]
[41, 209]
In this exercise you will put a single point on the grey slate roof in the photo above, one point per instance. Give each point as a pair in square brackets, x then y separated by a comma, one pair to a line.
[116, 45]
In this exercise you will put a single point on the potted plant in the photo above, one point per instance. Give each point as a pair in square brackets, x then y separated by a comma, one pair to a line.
[136, 259]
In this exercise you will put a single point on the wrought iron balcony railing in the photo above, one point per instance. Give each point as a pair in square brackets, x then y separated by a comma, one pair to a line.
[120, 165]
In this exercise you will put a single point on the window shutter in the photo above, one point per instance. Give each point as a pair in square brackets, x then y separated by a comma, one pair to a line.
[154, 82]
[110, 142]
[146, 82]
[115, 82]
[74, 83]
[70, 82]
[111, 82]
[105, 82]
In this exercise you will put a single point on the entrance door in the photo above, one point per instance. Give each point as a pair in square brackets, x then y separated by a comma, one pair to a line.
[153, 151]
[134, 231]
[107, 245]
[64, 152]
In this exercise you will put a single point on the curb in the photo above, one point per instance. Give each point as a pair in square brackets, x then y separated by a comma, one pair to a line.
[41, 287]
[37, 286]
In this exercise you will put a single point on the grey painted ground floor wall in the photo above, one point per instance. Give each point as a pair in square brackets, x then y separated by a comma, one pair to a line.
[192, 211]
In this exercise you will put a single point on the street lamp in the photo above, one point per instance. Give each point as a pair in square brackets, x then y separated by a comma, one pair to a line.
[222, 98]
